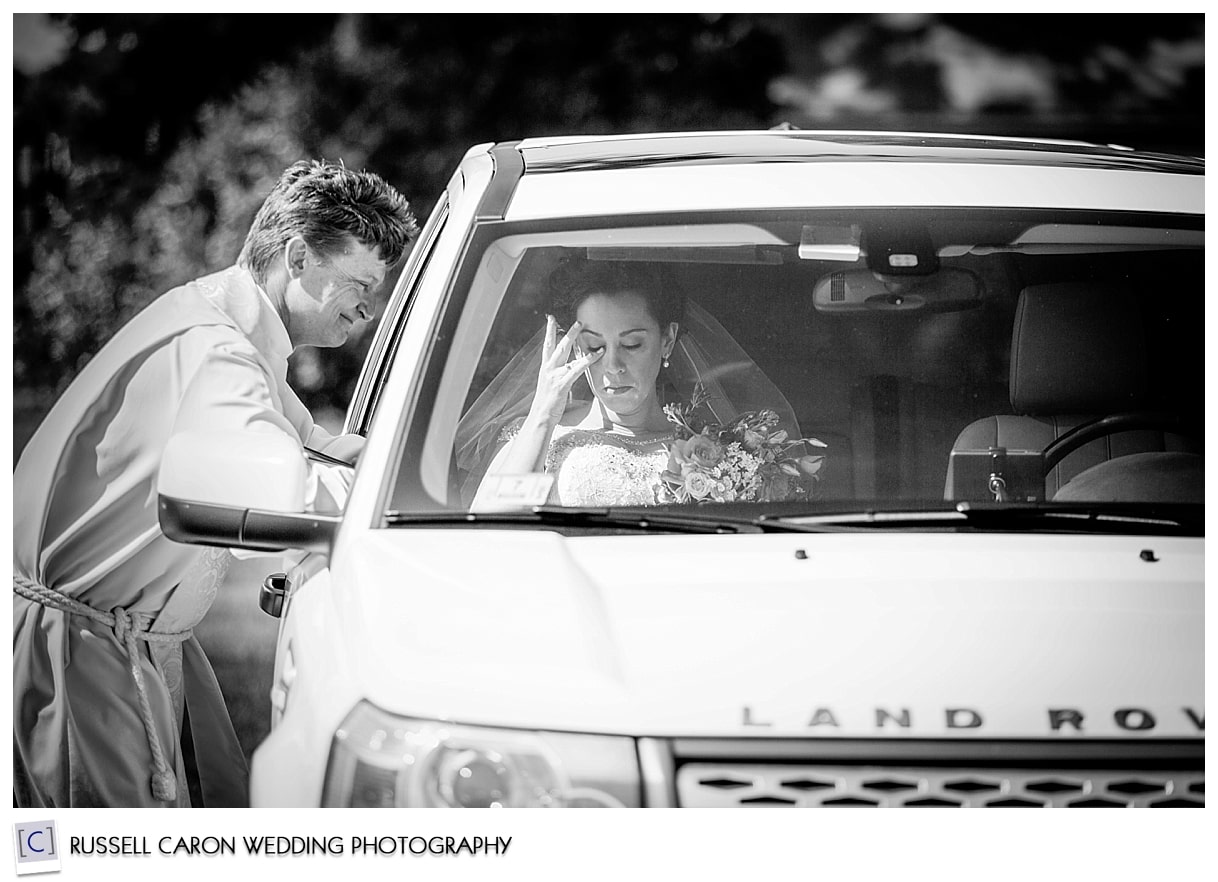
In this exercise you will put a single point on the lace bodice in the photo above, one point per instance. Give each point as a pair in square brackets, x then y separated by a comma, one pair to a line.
[604, 468]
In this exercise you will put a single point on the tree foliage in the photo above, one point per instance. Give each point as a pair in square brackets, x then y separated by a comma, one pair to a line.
[148, 149]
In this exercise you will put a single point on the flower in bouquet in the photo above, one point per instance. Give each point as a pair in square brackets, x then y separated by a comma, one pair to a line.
[745, 459]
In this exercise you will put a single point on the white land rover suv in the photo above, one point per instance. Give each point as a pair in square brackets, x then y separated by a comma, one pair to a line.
[941, 546]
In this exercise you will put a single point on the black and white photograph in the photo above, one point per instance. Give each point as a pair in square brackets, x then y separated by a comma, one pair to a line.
[588, 410]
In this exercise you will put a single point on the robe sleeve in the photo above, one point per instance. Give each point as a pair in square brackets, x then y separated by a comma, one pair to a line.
[346, 447]
[233, 390]
[342, 446]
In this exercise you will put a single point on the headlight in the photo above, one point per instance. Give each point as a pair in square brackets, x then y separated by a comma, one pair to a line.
[381, 760]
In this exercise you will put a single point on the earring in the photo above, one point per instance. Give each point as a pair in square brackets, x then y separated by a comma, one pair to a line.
[665, 361]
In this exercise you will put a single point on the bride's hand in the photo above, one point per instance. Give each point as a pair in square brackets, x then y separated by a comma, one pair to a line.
[557, 375]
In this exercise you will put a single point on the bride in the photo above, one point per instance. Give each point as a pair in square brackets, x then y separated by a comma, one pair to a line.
[626, 335]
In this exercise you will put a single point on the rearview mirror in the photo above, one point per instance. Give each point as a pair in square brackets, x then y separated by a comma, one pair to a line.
[238, 490]
[860, 290]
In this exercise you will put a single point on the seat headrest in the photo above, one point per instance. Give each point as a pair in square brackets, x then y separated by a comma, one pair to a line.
[1077, 348]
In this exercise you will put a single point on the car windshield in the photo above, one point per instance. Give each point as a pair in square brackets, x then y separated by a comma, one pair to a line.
[843, 360]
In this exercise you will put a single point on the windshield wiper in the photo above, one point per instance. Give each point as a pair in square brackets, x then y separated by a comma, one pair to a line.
[1175, 519]
[613, 518]
[980, 516]
[553, 516]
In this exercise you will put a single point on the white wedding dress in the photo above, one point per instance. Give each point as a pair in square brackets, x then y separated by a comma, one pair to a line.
[600, 468]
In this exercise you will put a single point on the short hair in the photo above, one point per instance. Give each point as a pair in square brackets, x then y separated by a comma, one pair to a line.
[574, 280]
[327, 203]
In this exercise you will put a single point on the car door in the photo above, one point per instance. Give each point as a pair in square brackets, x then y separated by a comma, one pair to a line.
[439, 244]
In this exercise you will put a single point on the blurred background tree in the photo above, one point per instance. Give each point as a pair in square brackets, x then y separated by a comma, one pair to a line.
[143, 144]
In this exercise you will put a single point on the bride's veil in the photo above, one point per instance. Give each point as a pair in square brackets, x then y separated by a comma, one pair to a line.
[705, 353]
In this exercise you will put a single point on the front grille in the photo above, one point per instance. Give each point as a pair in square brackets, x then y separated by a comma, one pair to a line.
[713, 784]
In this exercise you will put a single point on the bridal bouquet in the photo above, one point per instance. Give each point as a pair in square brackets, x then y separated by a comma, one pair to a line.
[747, 459]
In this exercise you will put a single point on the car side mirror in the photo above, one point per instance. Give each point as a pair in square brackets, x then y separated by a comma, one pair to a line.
[238, 490]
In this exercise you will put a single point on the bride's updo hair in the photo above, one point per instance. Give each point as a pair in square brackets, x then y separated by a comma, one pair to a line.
[575, 279]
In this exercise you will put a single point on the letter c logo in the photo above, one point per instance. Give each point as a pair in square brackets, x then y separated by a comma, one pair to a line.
[29, 841]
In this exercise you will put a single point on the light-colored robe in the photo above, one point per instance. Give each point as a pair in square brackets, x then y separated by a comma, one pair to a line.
[211, 354]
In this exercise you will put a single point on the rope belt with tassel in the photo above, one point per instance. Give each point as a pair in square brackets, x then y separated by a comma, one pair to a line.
[128, 628]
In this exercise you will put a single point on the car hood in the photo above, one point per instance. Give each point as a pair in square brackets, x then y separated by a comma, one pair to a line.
[835, 635]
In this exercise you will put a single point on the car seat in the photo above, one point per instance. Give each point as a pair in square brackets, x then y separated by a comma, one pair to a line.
[1078, 353]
